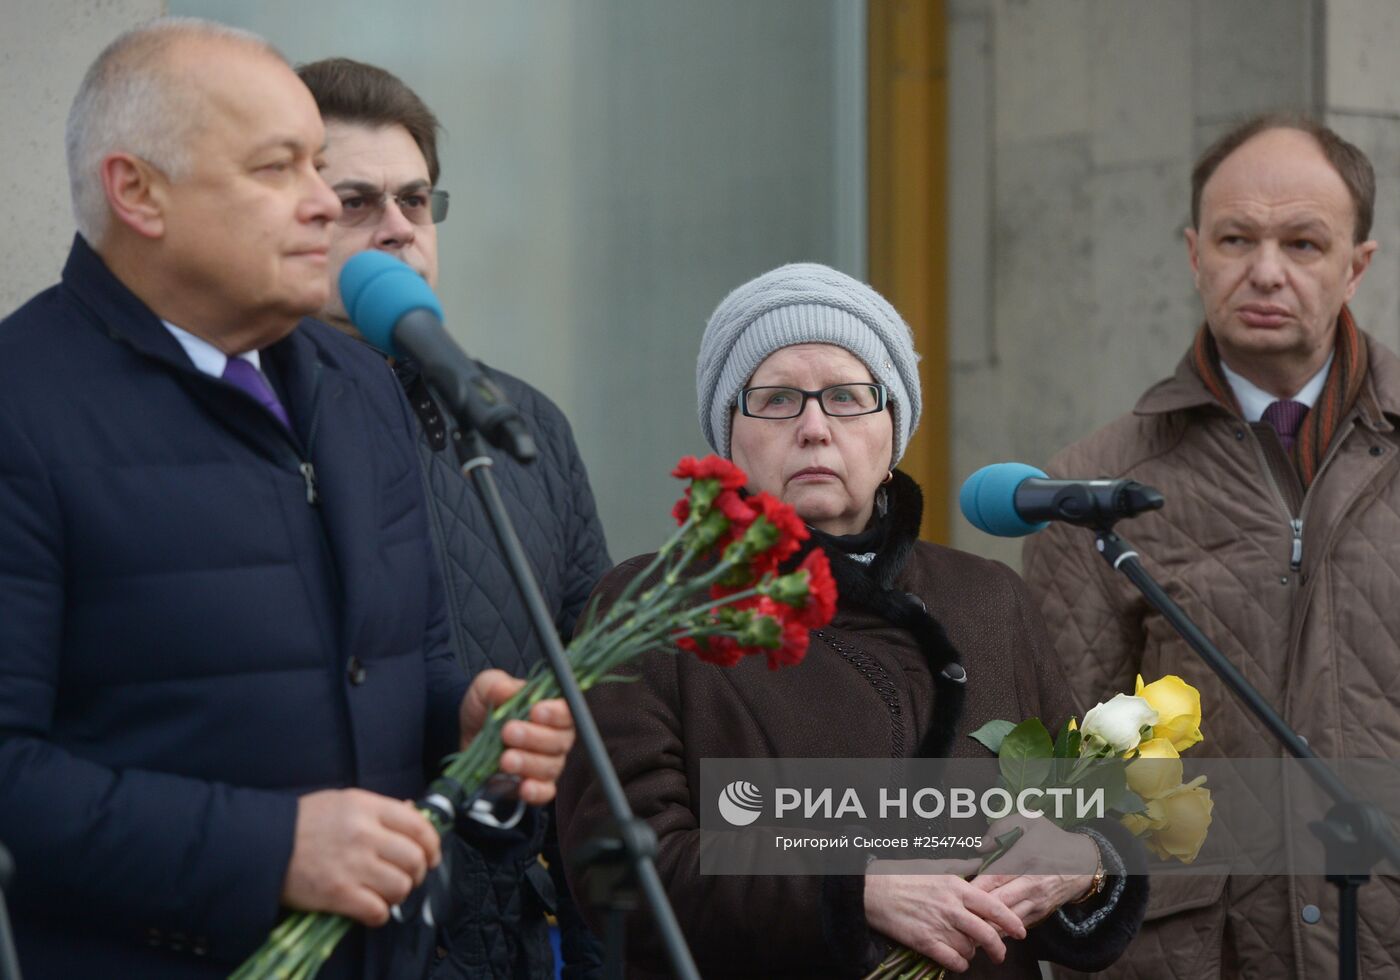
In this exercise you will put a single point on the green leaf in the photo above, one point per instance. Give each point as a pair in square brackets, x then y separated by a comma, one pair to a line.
[992, 733]
[1110, 775]
[1025, 756]
[1067, 745]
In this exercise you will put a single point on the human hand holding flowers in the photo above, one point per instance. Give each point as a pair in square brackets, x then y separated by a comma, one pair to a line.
[535, 747]
[1046, 867]
[356, 853]
[713, 589]
[938, 914]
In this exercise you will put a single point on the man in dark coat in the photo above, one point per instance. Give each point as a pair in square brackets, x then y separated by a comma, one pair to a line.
[223, 650]
[381, 159]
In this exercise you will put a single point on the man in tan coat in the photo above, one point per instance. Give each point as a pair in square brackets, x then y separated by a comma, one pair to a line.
[1276, 448]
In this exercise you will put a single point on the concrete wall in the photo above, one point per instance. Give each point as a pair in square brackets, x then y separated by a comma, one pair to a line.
[616, 167]
[1361, 99]
[44, 50]
[1075, 125]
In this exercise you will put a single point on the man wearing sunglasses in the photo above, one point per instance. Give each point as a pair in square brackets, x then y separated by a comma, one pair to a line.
[381, 161]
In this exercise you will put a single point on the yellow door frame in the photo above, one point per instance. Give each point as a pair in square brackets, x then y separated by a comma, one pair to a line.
[907, 166]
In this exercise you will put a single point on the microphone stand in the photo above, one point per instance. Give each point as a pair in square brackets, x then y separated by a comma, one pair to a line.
[635, 841]
[1355, 834]
[9, 960]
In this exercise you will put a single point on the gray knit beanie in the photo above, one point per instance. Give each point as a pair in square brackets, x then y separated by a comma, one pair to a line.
[804, 303]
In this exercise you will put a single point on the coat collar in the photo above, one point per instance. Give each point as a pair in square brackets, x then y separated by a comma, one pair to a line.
[1378, 407]
[873, 588]
[297, 360]
[1182, 391]
[117, 310]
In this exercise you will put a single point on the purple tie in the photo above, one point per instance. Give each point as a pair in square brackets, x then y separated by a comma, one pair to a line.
[1287, 418]
[242, 374]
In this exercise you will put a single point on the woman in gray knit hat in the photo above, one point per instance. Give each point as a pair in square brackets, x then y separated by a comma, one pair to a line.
[809, 381]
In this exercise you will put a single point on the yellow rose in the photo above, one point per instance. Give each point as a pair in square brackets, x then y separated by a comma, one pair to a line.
[1187, 814]
[1178, 707]
[1150, 819]
[1156, 771]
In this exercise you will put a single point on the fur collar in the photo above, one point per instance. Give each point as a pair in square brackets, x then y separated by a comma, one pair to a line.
[872, 588]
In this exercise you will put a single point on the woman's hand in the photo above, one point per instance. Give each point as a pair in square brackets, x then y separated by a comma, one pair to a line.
[1043, 870]
[928, 907]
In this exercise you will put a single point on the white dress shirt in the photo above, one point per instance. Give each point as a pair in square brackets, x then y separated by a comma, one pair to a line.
[1253, 399]
[205, 355]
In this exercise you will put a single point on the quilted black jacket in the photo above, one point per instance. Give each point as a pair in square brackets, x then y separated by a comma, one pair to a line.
[498, 929]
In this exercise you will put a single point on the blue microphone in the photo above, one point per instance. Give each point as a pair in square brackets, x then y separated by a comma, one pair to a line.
[1012, 499]
[396, 310]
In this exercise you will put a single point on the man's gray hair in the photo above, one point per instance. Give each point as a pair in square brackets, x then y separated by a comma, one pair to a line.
[132, 101]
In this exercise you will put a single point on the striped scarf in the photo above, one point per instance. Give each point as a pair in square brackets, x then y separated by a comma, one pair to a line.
[1339, 392]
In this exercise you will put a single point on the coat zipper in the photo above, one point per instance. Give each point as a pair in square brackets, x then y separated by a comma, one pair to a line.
[308, 473]
[1295, 524]
[307, 468]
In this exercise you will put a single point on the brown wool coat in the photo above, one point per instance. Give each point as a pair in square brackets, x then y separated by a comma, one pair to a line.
[865, 690]
[1321, 642]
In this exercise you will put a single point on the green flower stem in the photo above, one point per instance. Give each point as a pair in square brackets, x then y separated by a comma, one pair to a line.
[666, 547]
[623, 637]
[661, 600]
[727, 600]
[624, 605]
[643, 631]
[280, 944]
[891, 963]
[301, 944]
[1082, 763]
[319, 946]
[604, 664]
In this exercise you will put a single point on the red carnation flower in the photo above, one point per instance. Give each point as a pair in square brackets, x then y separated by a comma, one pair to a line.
[793, 648]
[820, 606]
[791, 533]
[712, 467]
[719, 650]
[738, 511]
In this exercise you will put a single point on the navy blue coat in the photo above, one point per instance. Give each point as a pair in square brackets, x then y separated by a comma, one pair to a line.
[189, 641]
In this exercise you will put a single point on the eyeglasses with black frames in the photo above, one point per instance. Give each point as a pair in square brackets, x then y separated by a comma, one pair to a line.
[365, 205]
[840, 401]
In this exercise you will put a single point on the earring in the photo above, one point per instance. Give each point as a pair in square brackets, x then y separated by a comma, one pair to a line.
[889, 475]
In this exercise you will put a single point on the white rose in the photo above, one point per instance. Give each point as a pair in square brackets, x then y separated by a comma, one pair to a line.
[1117, 725]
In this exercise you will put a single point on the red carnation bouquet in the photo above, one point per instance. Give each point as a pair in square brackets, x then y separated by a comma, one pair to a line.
[713, 589]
